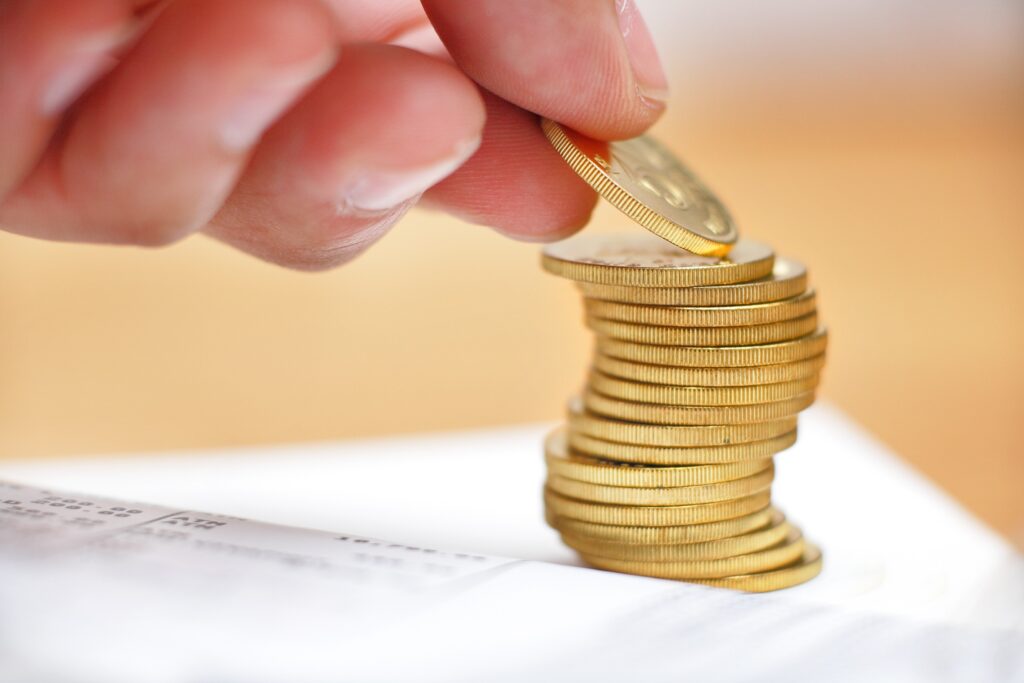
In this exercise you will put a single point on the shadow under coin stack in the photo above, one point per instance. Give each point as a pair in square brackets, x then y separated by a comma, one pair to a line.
[700, 368]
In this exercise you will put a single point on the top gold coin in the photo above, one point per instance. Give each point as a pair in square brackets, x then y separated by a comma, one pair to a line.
[788, 279]
[643, 260]
[646, 182]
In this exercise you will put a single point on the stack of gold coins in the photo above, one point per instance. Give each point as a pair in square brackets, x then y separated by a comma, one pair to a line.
[700, 368]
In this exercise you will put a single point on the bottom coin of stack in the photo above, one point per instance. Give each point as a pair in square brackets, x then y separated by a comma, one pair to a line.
[666, 464]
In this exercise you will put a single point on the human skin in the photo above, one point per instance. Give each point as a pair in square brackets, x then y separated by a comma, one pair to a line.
[301, 130]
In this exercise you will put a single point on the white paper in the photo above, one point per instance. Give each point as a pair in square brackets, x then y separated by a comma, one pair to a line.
[94, 590]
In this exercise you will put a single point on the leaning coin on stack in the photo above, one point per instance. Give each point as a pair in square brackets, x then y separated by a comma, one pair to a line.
[701, 365]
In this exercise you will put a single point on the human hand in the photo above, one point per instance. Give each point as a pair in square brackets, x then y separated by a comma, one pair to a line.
[297, 130]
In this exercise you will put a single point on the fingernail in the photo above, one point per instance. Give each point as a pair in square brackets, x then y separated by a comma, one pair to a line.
[651, 84]
[377, 190]
[83, 65]
[261, 104]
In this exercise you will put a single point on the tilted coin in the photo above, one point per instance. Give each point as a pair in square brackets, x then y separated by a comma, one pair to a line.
[676, 495]
[612, 429]
[722, 357]
[653, 413]
[649, 184]
[805, 568]
[643, 260]
[709, 377]
[663, 535]
[788, 279]
[769, 333]
[750, 542]
[790, 550]
[629, 390]
[671, 515]
[703, 316]
[564, 463]
[752, 451]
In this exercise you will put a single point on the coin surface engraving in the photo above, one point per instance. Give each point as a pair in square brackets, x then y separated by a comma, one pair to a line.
[649, 184]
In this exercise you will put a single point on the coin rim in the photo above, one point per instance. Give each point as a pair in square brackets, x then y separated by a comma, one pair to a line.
[625, 202]
[668, 515]
[801, 348]
[659, 414]
[786, 552]
[723, 272]
[690, 396]
[683, 376]
[664, 535]
[677, 456]
[808, 566]
[763, 290]
[626, 432]
[697, 494]
[741, 544]
[740, 335]
[742, 315]
[564, 461]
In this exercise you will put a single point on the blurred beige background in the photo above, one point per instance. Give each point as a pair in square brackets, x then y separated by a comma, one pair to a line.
[880, 142]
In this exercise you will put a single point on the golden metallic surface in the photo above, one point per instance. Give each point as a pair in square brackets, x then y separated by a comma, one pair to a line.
[802, 570]
[663, 535]
[703, 316]
[789, 551]
[645, 181]
[656, 414]
[669, 456]
[788, 279]
[676, 495]
[709, 377]
[643, 260]
[716, 357]
[571, 465]
[641, 392]
[675, 436]
[672, 515]
[751, 542]
[769, 333]
[666, 466]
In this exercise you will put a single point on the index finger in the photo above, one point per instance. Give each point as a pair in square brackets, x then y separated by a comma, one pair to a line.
[589, 64]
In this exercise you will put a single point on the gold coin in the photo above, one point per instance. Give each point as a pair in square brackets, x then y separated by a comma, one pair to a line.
[718, 549]
[768, 333]
[663, 535]
[790, 550]
[803, 570]
[703, 316]
[653, 413]
[711, 357]
[643, 260]
[709, 377]
[753, 451]
[668, 394]
[562, 462]
[788, 279]
[672, 515]
[645, 181]
[677, 495]
[673, 435]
